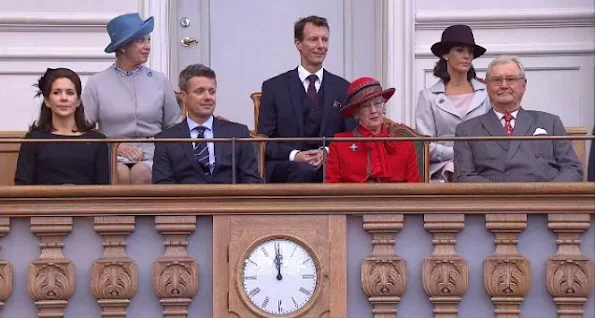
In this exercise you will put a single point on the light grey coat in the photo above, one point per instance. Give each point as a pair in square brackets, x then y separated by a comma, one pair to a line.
[436, 117]
[515, 161]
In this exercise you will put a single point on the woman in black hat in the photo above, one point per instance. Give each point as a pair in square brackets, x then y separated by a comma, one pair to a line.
[456, 97]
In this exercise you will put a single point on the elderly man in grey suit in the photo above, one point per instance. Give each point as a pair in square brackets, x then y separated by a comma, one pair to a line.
[513, 161]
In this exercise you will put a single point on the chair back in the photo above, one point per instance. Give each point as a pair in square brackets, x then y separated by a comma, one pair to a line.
[422, 148]
[256, 96]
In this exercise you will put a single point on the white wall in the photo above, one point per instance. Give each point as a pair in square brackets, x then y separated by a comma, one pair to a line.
[554, 39]
[259, 44]
[37, 34]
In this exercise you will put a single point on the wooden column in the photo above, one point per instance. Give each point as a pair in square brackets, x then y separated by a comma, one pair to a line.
[51, 276]
[384, 273]
[175, 275]
[507, 274]
[5, 267]
[114, 277]
[445, 273]
[569, 272]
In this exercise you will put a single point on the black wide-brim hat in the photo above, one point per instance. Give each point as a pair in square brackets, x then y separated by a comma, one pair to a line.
[458, 34]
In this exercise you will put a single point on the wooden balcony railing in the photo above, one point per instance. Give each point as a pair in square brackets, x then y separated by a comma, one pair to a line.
[382, 277]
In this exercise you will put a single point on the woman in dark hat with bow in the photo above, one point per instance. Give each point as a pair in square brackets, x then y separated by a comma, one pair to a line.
[370, 161]
[62, 116]
[130, 100]
[456, 97]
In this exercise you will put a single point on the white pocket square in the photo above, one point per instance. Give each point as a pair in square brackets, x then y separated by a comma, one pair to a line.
[540, 131]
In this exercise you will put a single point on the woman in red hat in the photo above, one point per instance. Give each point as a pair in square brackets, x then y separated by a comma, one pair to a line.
[456, 97]
[370, 161]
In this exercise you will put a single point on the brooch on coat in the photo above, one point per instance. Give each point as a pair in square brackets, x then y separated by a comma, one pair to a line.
[353, 147]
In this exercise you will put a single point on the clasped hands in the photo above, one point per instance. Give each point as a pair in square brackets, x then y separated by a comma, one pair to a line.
[313, 157]
[130, 152]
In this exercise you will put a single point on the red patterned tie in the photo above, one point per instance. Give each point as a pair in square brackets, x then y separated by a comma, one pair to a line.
[507, 124]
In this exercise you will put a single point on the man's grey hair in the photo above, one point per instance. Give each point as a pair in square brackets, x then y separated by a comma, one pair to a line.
[194, 70]
[505, 59]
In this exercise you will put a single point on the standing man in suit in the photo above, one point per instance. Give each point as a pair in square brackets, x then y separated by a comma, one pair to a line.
[303, 102]
[202, 161]
[513, 161]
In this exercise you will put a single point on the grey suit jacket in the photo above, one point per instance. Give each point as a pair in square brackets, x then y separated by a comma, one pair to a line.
[515, 161]
[436, 117]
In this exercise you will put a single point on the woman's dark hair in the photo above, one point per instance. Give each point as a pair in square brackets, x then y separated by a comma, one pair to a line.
[45, 83]
[441, 71]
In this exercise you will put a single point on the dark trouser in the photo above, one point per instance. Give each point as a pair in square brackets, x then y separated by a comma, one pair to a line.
[292, 172]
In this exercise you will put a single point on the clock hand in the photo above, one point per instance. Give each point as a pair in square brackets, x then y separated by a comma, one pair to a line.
[278, 258]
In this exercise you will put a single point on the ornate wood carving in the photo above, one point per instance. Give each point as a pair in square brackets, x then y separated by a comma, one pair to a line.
[51, 276]
[5, 267]
[506, 273]
[114, 277]
[445, 273]
[569, 272]
[175, 275]
[384, 274]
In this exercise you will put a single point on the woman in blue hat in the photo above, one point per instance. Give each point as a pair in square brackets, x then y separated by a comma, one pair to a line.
[456, 97]
[130, 100]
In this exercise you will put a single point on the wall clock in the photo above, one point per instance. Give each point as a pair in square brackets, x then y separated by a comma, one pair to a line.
[279, 276]
[290, 266]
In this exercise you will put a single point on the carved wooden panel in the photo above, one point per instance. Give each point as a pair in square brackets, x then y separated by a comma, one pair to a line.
[114, 277]
[324, 235]
[5, 267]
[384, 273]
[569, 273]
[507, 274]
[175, 275]
[51, 276]
[445, 273]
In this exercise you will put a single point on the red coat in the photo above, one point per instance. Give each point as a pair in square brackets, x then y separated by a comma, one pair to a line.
[348, 162]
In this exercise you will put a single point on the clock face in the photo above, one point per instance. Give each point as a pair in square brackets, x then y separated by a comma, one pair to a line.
[279, 276]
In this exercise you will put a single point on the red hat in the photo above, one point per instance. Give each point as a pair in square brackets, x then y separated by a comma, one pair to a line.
[363, 90]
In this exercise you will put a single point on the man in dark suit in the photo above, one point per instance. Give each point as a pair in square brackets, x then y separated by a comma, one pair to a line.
[513, 161]
[202, 161]
[303, 102]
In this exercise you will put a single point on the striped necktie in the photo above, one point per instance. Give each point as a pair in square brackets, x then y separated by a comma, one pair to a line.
[201, 152]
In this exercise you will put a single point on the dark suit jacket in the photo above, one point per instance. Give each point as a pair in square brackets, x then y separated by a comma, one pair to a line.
[175, 162]
[281, 113]
[515, 161]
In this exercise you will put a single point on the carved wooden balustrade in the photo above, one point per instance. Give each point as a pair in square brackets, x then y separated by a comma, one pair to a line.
[445, 274]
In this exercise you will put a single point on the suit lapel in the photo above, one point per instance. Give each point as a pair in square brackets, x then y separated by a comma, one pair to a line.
[184, 132]
[295, 88]
[492, 124]
[218, 129]
[522, 123]
[479, 96]
[441, 100]
[327, 103]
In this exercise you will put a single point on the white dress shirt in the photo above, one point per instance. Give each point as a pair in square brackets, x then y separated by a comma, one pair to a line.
[208, 135]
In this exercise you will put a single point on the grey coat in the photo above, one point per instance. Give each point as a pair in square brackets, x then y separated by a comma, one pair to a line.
[436, 117]
[515, 161]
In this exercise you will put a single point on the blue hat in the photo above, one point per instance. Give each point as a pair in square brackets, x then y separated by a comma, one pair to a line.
[125, 28]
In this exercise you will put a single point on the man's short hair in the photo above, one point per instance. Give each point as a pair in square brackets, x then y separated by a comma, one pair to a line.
[505, 59]
[298, 29]
[194, 70]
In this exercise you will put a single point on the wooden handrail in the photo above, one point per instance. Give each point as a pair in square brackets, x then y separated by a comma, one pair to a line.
[527, 198]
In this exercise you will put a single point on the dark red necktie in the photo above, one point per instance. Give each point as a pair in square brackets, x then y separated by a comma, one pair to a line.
[312, 86]
[507, 124]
